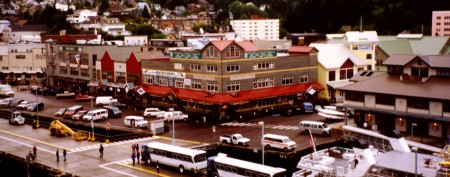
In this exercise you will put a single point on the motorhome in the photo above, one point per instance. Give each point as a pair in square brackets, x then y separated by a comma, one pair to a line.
[6, 91]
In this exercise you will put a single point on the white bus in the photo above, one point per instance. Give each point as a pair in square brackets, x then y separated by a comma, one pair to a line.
[176, 156]
[227, 166]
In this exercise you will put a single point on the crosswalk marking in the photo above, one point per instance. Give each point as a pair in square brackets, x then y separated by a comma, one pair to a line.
[243, 124]
[96, 146]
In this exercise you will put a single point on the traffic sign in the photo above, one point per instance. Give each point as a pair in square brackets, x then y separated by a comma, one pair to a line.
[214, 128]
[108, 126]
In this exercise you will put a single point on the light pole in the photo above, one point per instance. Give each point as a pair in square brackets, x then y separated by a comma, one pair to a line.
[261, 123]
[37, 108]
[415, 149]
[92, 118]
[173, 124]
[412, 129]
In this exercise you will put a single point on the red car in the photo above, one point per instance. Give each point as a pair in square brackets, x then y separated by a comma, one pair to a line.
[83, 97]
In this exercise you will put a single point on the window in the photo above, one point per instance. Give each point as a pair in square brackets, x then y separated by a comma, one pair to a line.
[303, 78]
[445, 72]
[211, 68]
[178, 65]
[211, 52]
[233, 68]
[163, 81]
[212, 87]
[263, 82]
[74, 71]
[233, 52]
[418, 103]
[233, 86]
[1, 58]
[354, 96]
[107, 75]
[395, 69]
[345, 73]
[94, 58]
[331, 75]
[196, 84]
[385, 99]
[179, 83]
[5, 68]
[62, 70]
[264, 65]
[120, 77]
[419, 72]
[368, 56]
[147, 79]
[195, 67]
[84, 72]
[20, 56]
[287, 80]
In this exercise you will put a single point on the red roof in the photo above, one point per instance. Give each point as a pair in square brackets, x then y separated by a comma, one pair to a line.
[228, 97]
[300, 49]
[247, 46]
[221, 44]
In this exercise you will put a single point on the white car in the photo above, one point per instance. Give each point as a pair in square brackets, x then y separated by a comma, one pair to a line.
[155, 112]
[23, 105]
[175, 115]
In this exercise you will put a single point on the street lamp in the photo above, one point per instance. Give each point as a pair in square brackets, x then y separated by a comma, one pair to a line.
[37, 108]
[412, 129]
[92, 118]
[170, 115]
[261, 123]
[415, 149]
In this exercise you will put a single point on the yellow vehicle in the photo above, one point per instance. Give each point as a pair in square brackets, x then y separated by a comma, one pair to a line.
[59, 129]
[445, 154]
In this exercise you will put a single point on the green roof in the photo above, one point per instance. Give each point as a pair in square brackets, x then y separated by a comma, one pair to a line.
[427, 45]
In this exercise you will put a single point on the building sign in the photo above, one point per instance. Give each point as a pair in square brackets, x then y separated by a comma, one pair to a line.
[364, 47]
[164, 73]
[188, 55]
[260, 54]
[242, 77]
[70, 49]
[201, 77]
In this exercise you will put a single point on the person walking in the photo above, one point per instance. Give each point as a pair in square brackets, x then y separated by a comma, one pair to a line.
[138, 155]
[101, 150]
[157, 166]
[57, 155]
[64, 154]
[133, 157]
[34, 151]
[31, 155]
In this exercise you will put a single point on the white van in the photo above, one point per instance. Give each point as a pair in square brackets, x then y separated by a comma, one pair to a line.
[104, 100]
[314, 127]
[98, 114]
[279, 142]
[175, 115]
[135, 121]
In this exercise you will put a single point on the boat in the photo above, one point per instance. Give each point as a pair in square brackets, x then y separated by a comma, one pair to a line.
[331, 114]
[365, 159]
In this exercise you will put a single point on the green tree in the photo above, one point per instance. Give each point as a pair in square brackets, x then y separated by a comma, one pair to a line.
[146, 13]
[143, 29]
[104, 6]
[87, 5]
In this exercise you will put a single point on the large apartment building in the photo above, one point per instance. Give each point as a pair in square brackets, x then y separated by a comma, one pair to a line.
[231, 79]
[440, 23]
[413, 91]
[262, 29]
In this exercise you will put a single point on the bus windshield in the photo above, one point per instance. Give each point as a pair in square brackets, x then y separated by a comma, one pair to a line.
[280, 174]
[200, 158]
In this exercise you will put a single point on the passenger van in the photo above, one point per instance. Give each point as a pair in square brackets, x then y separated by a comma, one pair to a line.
[72, 111]
[135, 121]
[279, 142]
[113, 111]
[104, 100]
[98, 114]
[314, 127]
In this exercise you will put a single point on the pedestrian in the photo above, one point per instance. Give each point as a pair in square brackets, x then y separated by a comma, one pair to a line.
[133, 157]
[137, 156]
[137, 147]
[31, 155]
[101, 150]
[64, 154]
[57, 155]
[157, 166]
[34, 151]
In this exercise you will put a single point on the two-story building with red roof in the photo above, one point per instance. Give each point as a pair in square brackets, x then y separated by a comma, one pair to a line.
[229, 79]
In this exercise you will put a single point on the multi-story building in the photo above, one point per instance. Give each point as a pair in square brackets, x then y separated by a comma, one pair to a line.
[22, 63]
[363, 45]
[268, 29]
[440, 23]
[81, 15]
[413, 92]
[28, 33]
[135, 40]
[230, 79]
[72, 66]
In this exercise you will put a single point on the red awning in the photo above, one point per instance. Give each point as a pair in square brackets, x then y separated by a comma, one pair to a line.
[231, 97]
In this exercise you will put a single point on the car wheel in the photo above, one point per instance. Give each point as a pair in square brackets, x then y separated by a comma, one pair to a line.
[268, 146]
[185, 119]
[17, 123]
[286, 149]
[240, 144]
[181, 169]
[215, 174]
[138, 127]
[149, 116]
[224, 141]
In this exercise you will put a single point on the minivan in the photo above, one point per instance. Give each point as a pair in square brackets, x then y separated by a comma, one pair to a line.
[98, 114]
[314, 127]
[135, 121]
[113, 111]
[104, 100]
[279, 142]
[72, 111]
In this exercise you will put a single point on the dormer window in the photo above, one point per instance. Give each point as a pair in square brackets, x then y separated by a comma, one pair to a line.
[419, 72]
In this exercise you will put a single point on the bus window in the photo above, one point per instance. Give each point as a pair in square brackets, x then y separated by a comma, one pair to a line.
[200, 158]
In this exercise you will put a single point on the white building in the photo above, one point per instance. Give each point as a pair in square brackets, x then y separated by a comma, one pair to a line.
[268, 29]
[81, 15]
[30, 33]
[440, 23]
[135, 40]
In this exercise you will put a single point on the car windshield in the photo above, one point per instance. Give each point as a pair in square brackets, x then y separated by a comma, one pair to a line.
[62, 110]
[287, 140]
[89, 114]
[325, 125]
[80, 113]
[238, 136]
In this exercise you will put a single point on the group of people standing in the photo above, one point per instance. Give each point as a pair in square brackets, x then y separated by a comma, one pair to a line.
[64, 154]
[135, 153]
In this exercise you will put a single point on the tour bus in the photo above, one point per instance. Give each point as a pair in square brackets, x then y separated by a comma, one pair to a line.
[176, 156]
[221, 165]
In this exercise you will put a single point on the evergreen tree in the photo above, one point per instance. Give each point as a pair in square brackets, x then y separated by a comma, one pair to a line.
[146, 13]
[104, 6]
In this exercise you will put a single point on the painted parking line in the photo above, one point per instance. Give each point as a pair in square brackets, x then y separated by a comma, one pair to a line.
[29, 145]
[281, 127]
[127, 163]
[96, 146]
[31, 139]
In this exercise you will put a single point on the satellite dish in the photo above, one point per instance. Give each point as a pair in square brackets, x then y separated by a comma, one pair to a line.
[201, 31]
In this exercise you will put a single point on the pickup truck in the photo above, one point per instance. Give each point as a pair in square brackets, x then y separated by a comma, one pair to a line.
[66, 94]
[83, 98]
[174, 115]
[235, 139]
[16, 118]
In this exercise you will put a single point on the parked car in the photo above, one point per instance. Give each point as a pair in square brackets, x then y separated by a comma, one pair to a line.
[5, 103]
[118, 104]
[36, 106]
[15, 103]
[60, 112]
[81, 97]
[34, 88]
[175, 115]
[66, 94]
[149, 112]
[23, 105]
[237, 139]
[49, 92]
[79, 115]
[113, 111]
[135, 122]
